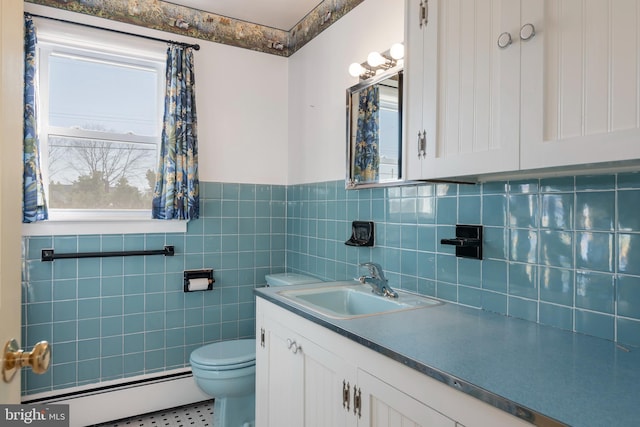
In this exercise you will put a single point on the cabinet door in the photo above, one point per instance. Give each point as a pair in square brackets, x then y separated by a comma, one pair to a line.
[470, 87]
[325, 377]
[298, 383]
[279, 382]
[415, 83]
[386, 406]
[581, 82]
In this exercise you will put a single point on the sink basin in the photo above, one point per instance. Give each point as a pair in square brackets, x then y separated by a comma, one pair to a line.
[346, 300]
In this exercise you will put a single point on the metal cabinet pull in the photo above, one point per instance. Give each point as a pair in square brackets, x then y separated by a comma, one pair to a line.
[504, 40]
[346, 396]
[527, 32]
[357, 402]
[293, 346]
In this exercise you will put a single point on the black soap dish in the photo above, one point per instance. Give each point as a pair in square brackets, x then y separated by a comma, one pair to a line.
[362, 234]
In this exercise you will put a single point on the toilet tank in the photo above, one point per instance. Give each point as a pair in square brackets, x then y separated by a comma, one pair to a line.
[288, 279]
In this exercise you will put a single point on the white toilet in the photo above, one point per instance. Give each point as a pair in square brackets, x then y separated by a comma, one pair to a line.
[226, 371]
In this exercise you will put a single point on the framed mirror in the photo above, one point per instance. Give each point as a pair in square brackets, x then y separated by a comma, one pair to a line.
[374, 131]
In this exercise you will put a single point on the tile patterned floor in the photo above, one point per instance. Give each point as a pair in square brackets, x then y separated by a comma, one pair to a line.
[198, 415]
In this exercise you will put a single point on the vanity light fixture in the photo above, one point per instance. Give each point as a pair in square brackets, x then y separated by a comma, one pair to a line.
[378, 62]
[359, 70]
[397, 51]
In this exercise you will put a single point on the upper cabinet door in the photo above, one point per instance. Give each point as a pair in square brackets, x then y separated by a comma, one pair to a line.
[580, 82]
[413, 96]
[470, 87]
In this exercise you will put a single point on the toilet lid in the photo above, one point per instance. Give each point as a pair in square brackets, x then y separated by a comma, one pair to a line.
[226, 354]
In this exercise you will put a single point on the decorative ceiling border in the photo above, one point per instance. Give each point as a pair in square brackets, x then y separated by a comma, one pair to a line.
[172, 18]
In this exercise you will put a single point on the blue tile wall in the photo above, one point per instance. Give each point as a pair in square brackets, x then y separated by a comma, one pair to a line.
[112, 318]
[560, 251]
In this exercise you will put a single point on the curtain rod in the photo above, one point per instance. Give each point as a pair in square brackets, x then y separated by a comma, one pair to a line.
[194, 46]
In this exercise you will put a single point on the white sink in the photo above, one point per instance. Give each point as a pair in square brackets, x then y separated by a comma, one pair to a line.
[347, 300]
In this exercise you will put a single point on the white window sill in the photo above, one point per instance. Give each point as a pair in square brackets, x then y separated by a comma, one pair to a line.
[116, 226]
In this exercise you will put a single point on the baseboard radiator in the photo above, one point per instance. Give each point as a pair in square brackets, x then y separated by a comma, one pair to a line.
[114, 400]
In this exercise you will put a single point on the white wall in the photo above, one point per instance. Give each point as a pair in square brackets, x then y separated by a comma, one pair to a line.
[266, 119]
[242, 115]
[318, 79]
[242, 106]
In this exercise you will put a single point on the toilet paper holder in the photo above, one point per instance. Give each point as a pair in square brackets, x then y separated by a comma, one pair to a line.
[190, 275]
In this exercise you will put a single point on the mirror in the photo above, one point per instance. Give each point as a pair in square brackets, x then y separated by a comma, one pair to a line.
[374, 131]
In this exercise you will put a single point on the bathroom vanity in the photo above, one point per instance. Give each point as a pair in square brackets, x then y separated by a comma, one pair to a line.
[440, 365]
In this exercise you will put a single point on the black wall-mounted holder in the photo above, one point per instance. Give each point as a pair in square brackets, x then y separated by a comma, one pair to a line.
[468, 241]
[195, 275]
[362, 234]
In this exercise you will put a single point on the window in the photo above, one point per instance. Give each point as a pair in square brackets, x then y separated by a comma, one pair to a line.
[100, 130]
[101, 100]
[100, 124]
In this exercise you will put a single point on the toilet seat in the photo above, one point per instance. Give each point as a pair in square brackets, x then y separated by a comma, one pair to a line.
[225, 355]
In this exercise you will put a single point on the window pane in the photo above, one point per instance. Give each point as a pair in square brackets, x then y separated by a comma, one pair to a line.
[103, 96]
[98, 174]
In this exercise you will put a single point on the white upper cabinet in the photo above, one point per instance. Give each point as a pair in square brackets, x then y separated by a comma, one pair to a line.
[462, 90]
[581, 83]
[504, 86]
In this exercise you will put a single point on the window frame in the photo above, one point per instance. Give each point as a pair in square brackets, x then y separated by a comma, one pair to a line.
[68, 39]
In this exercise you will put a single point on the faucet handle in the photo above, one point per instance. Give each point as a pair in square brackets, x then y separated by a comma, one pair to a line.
[375, 269]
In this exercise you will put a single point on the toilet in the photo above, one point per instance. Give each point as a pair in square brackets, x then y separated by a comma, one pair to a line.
[226, 370]
[289, 279]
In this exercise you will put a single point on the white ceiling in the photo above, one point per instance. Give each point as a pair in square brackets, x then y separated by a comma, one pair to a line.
[281, 14]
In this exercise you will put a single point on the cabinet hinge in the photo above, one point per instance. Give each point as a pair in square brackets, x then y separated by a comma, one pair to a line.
[424, 13]
[262, 337]
[422, 144]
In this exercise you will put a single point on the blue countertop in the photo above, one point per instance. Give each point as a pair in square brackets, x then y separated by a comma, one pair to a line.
[530, 370]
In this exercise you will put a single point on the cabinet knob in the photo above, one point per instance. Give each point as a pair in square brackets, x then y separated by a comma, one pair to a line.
[527, 32]
[504, 40]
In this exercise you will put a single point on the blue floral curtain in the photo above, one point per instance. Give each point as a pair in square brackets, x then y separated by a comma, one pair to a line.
[367, 155]
[176, 194]
[34, 207]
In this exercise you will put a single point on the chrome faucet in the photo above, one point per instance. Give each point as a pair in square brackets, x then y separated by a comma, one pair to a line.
[377, 281]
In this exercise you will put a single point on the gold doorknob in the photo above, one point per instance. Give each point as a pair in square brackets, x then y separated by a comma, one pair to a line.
[15, 358]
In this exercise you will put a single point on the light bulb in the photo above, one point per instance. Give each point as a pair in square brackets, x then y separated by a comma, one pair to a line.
[375, 59]
[397, 51]
[356, 69]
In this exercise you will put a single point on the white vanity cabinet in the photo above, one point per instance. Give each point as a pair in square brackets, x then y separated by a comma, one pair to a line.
[308, 375]
[502, 86]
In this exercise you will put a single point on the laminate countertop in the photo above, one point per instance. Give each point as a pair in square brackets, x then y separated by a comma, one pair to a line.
[540, 373]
